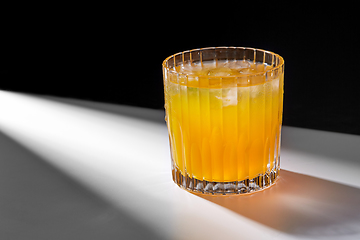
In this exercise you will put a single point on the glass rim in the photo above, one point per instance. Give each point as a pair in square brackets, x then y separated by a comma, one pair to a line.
[174, 71]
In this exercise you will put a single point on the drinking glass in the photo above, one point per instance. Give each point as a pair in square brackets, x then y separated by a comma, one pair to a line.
[224, 114]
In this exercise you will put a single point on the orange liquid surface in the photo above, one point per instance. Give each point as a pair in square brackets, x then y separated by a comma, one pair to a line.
[224, 134]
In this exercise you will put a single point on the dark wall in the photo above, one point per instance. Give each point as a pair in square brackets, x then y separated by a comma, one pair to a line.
[117, 57]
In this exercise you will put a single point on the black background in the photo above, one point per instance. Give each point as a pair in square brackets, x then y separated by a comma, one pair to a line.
[114, 55]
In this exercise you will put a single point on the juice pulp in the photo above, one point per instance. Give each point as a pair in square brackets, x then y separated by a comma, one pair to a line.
[220, 131]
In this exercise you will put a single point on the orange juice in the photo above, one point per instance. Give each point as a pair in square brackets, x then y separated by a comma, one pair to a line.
[223, 128]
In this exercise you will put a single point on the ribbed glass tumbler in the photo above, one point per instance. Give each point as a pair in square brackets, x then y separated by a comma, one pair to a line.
[224, 114]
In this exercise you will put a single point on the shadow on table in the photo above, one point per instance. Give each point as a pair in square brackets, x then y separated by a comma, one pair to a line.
[300, 205]
[40, 202]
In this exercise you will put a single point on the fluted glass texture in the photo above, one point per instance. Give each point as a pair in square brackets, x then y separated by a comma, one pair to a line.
[224, 114]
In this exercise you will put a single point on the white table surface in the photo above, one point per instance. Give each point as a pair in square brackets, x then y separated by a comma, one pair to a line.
[72, 169]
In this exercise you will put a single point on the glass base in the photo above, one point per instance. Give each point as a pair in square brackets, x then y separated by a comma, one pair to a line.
[225, 188]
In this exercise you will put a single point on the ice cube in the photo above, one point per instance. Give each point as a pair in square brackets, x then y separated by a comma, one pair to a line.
[194, 69]
[237, 65]
[256, 90]
[275, 84]
[229, 97]
[189, 69]
[247, 71]
[222, 72]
